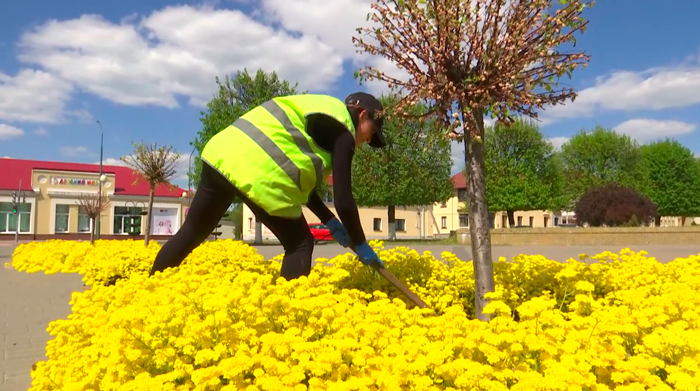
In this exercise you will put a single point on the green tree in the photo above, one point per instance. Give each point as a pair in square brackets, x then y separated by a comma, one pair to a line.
[523, 173]
[412, 170]
[599, 157]
[671, 178]
[235, 97]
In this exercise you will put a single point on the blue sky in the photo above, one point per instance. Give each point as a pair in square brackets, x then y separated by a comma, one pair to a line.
[145, 68]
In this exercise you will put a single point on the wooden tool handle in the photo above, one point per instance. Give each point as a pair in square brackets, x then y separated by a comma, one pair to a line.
[395, 282]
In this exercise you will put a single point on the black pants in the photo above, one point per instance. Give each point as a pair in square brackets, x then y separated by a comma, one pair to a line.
[213, 197]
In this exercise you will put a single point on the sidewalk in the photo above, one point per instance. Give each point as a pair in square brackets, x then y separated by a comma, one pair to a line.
[29, 302]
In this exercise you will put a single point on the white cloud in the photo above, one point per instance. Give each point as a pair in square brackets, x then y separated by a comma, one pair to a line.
[334, 23]
[175, 51]
[33, 96]
[644, 130]
[557, 142]
[183, 167]
[41, 132]
[73, 151]
[110, 161]
[82, 115]
[653, 89]
[8, 132]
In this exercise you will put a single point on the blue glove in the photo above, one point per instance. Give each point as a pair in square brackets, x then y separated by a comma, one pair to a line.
[367, 255]
[338, 232]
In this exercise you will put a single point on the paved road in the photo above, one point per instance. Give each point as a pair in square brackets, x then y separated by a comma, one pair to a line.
[558, 253]
[29, 302]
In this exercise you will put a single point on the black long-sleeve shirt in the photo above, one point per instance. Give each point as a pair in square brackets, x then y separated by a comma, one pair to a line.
[335, 138]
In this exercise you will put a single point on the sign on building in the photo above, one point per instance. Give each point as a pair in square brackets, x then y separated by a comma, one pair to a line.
[73, 181]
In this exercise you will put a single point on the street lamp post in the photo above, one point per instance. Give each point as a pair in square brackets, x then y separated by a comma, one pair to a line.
[99, 191]
[189, 179]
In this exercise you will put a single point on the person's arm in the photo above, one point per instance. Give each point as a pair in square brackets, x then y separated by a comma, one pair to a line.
[319, 208]
[343, 153]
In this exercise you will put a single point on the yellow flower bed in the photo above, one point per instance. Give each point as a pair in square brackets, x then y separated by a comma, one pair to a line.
[224, 320]
[103, 263]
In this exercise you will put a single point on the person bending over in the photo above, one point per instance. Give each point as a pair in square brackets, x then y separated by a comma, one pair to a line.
[273, 158]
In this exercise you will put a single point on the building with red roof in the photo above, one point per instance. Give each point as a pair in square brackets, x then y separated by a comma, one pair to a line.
[48, 192]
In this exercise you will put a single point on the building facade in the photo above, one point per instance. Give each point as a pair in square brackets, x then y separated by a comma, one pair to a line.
[453, 215]
[411, 222]
[430, 221]
[49, 193]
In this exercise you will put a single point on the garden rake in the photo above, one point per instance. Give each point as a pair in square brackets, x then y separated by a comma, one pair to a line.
[395, 282]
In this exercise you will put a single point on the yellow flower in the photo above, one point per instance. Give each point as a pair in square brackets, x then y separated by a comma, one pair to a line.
[226, 320]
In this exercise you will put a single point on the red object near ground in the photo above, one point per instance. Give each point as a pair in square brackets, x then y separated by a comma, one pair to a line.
[320, 232]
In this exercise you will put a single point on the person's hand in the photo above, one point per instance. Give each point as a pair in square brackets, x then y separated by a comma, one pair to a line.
[368, 255]
[338, 232]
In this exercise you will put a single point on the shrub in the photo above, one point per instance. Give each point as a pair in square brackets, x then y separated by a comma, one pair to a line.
[225, 321]
[613, 206]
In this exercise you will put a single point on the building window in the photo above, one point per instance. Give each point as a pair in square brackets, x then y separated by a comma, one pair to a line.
[463, 220]
[462, 195]
[532, 221]
[62, 213]
[377, 224]
[444, 222]
[328, 197]
[443, 204]
[251, 225]
[84, 223]
[8, 220]
[122, 218]
[401, 225]
[520, 221]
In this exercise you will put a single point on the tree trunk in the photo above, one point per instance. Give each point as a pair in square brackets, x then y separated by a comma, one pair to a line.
[392, 222]
[479, 228]
[683, 221]
[92, 232]
[258, 232]
[150, 212]
[511, 218]
[238, 223]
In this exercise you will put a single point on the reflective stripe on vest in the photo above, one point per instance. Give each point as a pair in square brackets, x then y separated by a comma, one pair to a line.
[274, 127]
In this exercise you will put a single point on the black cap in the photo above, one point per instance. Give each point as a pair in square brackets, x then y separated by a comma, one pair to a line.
[374, 107]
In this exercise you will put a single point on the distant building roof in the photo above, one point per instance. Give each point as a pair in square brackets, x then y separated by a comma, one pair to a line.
[15, 169]
[459, 181]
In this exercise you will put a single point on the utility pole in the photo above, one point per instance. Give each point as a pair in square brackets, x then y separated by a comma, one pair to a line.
[99, 191]
[189, 179]
[19, 197]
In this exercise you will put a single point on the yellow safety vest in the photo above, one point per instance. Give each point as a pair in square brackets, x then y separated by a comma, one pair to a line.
[268, 155]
